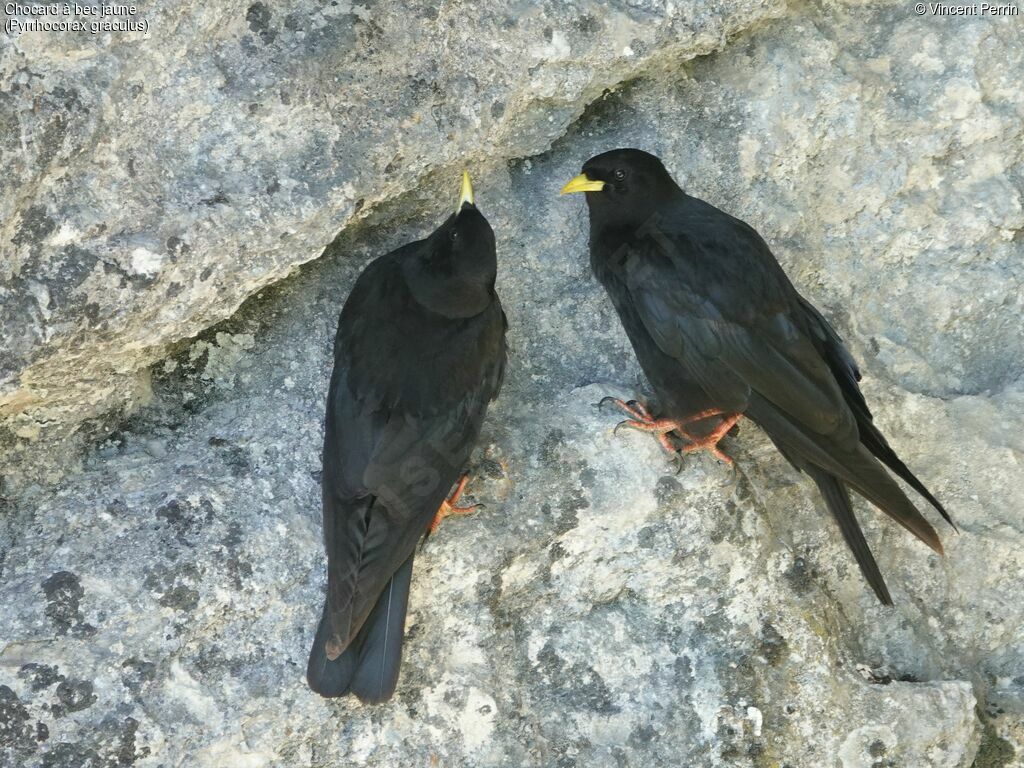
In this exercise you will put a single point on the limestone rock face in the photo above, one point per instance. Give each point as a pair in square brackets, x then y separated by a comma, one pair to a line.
[154, 181]
[159, 601]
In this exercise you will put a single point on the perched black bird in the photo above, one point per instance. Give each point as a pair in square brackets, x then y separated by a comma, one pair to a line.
[419, 354]
[721, 333]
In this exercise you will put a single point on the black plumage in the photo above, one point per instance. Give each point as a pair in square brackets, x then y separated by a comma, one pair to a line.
[419, 354]
[718, 328]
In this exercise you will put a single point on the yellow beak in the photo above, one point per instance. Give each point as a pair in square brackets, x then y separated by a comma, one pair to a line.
[582, 184]
[466, 192]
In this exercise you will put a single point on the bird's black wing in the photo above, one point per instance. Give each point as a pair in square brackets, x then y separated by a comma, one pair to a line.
[711, 294]
[407, 399]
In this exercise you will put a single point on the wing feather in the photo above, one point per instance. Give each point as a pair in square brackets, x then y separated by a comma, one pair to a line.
[734, 341]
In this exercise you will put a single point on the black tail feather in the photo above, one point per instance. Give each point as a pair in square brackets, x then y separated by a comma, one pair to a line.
[369, 667]
[381, 654]
[847, 374]
[875, 442]
[867, 477]
[837, 498]
[856, 468]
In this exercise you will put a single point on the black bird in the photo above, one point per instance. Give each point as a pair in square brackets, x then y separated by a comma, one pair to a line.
[721, 333]
[419, 354]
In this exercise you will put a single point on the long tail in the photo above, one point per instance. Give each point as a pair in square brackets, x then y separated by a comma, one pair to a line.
[847, 374]
[875, 442]
[835, 469]
[837, 498]
[855, 466]
[867, 477]
[368, 668]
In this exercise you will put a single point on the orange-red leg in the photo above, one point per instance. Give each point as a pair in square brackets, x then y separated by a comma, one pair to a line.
[709, 442]
[448, 506]
[645, 422]
[634, 408]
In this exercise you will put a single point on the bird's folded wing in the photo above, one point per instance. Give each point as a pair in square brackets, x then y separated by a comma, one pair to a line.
[386, 472]
[411, 463]
[732, 340]
[835, 353]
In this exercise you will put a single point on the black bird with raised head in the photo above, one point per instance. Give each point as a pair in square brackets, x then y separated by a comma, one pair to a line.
[721, 333]
[419, 354]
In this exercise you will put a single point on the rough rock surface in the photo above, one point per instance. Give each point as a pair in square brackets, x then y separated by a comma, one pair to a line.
[154, 181]
[601, 611]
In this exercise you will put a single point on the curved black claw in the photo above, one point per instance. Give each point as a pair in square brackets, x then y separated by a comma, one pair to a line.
[620, 425]
[604, 400]
[677, 462]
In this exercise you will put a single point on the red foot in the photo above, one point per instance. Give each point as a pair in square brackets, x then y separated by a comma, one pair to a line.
[645, 422]
[709, 442]
[448, 506]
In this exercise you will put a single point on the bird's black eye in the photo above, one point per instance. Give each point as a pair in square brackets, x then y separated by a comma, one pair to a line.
[454, 235]
[619, 174]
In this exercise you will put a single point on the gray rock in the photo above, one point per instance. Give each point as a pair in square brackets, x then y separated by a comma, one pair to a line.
[602, 610]
[153, 181]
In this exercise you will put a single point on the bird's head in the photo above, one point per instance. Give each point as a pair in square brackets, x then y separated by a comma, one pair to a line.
[623, 186]
[457, 269]
[464, 244]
